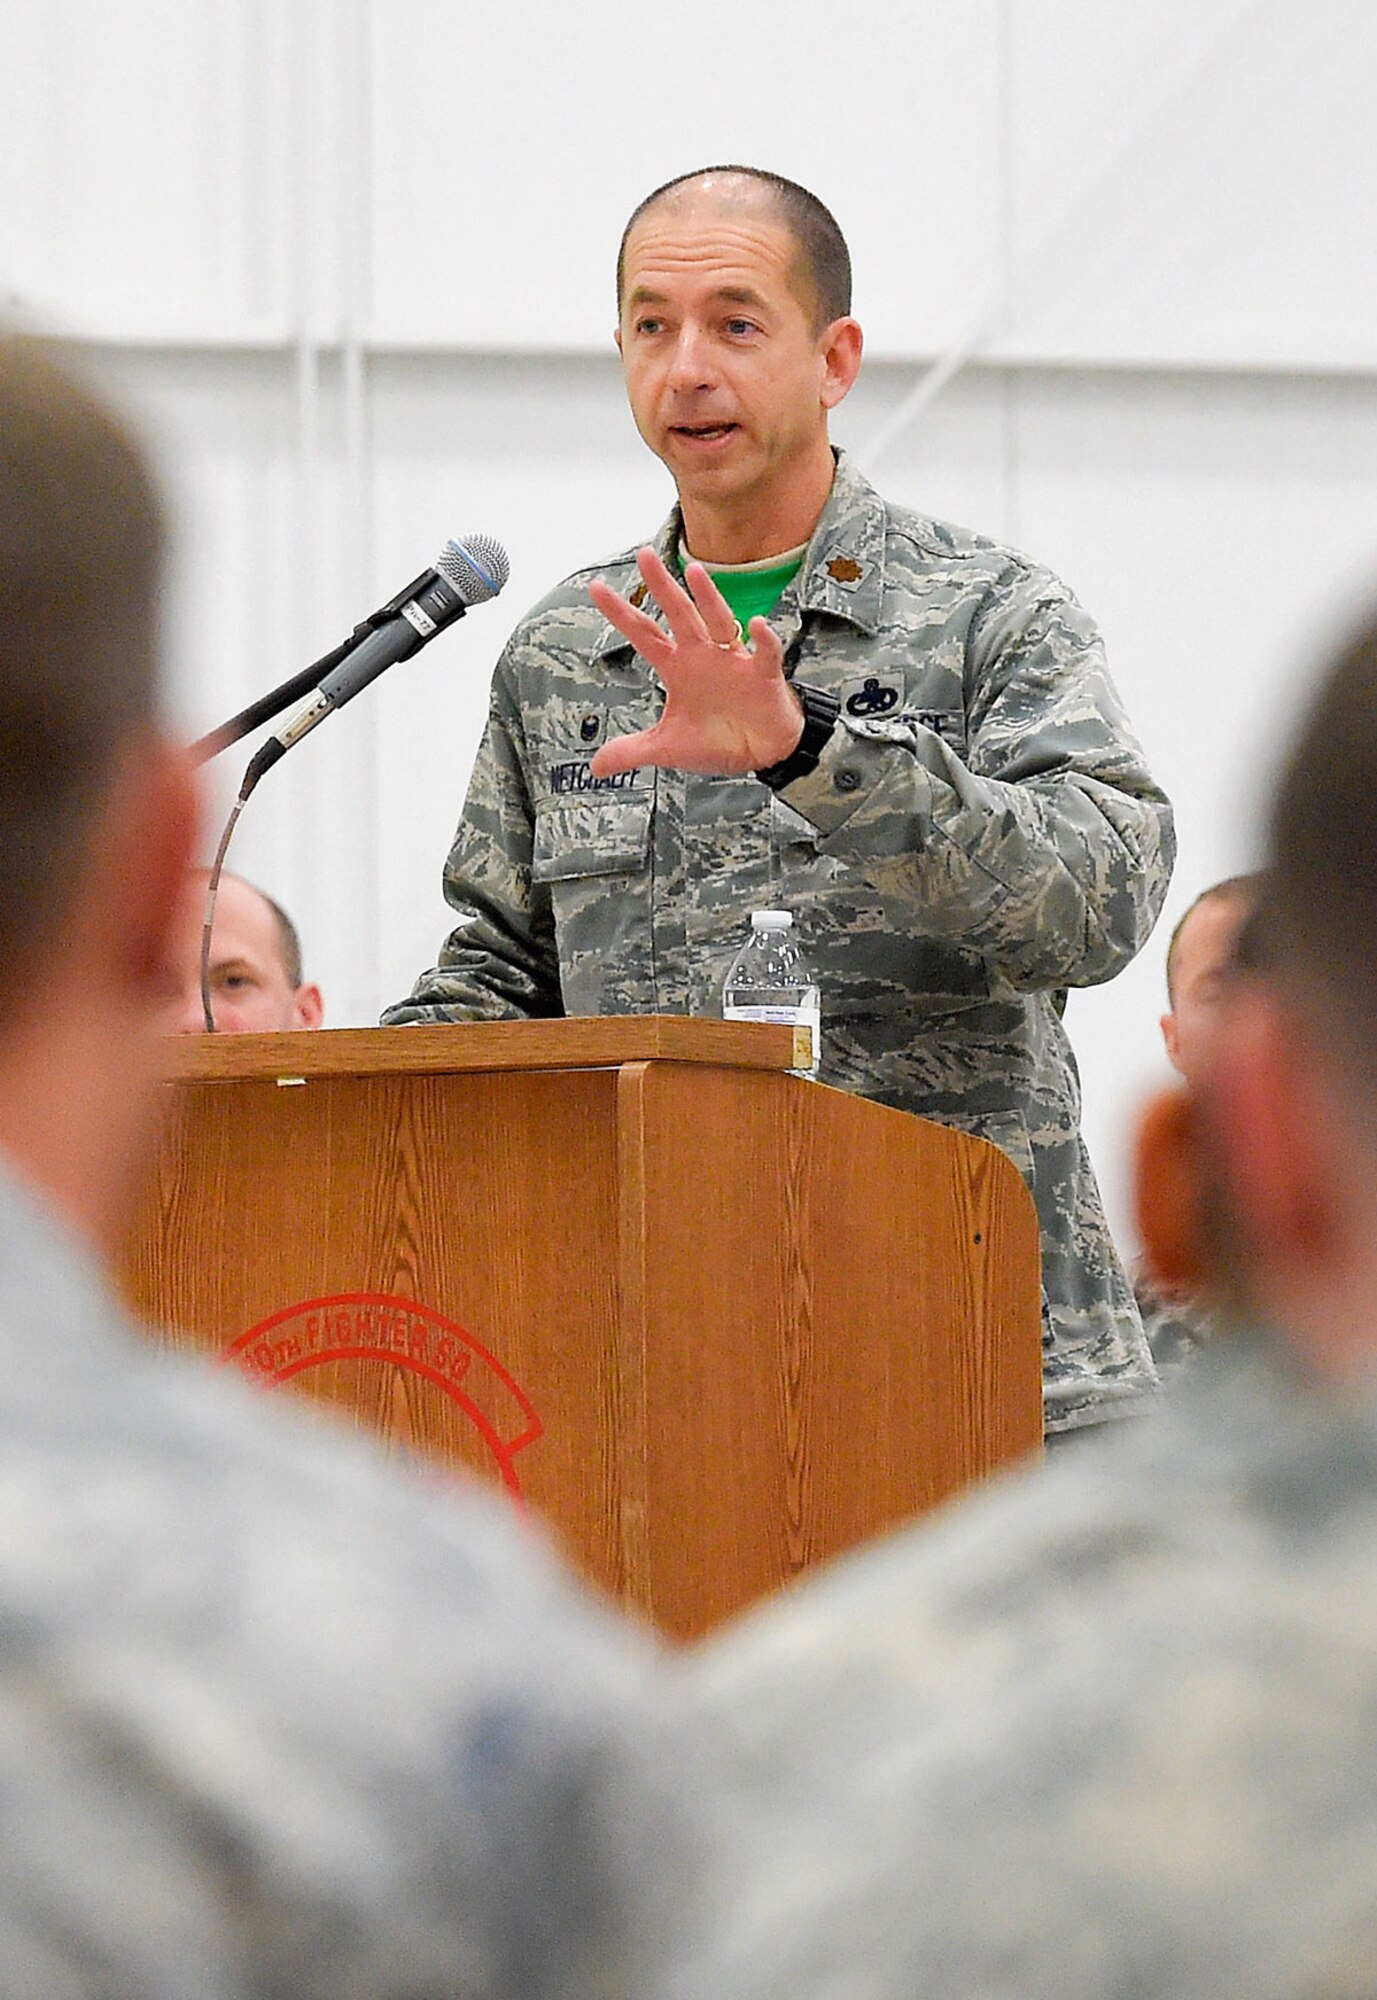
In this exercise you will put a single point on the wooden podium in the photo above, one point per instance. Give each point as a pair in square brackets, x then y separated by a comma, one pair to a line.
[711, 1321]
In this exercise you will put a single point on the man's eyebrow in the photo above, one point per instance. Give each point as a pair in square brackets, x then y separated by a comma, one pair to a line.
[736, 295]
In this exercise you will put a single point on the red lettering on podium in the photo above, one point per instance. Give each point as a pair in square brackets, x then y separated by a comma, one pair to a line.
[373, 1326]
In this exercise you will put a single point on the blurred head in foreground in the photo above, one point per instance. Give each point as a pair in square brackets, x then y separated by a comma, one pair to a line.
[97, 811]
[256, 982]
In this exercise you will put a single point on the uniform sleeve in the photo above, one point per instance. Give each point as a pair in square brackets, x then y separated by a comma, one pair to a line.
[500, 961]
[1046, 847]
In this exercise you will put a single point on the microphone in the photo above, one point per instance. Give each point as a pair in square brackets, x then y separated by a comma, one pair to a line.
[466, 572]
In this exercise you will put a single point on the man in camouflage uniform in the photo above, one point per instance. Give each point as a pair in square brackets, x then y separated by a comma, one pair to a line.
[920, 754]
[1110, 1729]
[1202, 964]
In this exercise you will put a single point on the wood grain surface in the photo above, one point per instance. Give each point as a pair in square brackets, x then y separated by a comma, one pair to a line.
[710, 1321]
[839, 1325]
[577, 1043]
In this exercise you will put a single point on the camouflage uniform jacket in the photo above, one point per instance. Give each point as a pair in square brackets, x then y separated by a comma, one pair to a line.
[1107, 1729]
[1177, 1328]
[981, 833]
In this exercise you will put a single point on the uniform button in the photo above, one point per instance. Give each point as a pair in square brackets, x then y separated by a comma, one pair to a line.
[847, 780]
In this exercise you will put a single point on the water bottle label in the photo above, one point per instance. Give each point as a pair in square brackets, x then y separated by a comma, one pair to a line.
[806, 1023]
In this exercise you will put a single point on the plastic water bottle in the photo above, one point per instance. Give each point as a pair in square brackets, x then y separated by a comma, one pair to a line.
[770, 981]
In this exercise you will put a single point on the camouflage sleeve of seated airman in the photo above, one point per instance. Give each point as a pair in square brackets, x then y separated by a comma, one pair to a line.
[1042, 842]
[499, 962]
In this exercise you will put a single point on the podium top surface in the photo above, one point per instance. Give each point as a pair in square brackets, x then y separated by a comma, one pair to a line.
[580, 1043]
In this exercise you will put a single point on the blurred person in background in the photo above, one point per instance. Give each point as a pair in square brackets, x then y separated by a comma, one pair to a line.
[1202, 965]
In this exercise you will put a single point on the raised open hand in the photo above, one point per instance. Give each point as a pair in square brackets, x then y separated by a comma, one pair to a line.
[728, 707]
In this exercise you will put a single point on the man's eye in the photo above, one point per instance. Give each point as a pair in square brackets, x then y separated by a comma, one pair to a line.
[648, 325]
[740, 326]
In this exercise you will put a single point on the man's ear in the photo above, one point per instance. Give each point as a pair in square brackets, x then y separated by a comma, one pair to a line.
[308, 1007]
[840, 349]
[1167, 1024]
[1167, 1191]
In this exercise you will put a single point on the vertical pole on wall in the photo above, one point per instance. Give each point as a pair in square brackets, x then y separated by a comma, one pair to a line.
[354, 127]
[1010, 399]
[294, 813]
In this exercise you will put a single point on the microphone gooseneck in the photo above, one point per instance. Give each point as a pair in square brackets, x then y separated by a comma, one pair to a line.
[468, 570]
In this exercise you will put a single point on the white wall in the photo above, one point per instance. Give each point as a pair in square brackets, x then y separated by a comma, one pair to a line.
[351, 260]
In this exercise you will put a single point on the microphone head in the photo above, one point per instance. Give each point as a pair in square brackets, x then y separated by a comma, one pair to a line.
[476, 565]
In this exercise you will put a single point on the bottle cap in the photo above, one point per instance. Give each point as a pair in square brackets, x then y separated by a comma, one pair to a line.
[772, 920]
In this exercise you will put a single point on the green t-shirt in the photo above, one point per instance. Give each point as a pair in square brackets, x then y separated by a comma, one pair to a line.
[752, 589]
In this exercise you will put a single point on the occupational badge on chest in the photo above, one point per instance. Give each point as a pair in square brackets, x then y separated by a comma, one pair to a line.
[873, 697]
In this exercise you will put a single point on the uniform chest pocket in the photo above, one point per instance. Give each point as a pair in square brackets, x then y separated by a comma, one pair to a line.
[579, 837]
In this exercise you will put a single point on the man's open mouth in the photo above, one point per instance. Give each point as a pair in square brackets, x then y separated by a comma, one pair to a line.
[704, 433]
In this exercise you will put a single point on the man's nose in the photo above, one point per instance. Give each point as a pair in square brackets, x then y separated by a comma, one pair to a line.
[691, 367]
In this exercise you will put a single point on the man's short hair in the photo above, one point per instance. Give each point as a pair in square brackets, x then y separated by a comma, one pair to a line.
[81, 541]
[1317, 925]
[823, 255]
[1234, 888]
[288, 936]
[288, 939]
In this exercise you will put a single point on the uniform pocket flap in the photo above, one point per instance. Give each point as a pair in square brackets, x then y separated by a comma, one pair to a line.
[576, 837]
[791, 827]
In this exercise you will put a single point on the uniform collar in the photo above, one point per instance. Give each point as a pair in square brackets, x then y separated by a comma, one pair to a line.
[843, 572]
